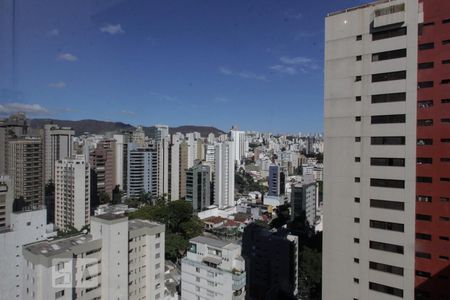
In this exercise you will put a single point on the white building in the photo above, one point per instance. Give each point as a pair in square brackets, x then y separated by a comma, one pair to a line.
[368, 246]
[58, 144]
[224, 175]
[240, 144]
[72, 193]
[162, 149]
[142, 171]
[192, 149]
[26, 227]
[119, 259]
[6, 201]
[121, 145]
[212, 269]
[174, 165]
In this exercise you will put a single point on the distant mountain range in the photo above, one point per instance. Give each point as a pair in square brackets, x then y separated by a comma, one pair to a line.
[101, 127]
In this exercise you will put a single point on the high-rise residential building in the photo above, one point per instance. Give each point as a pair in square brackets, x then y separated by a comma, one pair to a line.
[72, 193]
[14, 126]
[103, 163]
[184, 162]
[386, 197]
[25, 227]
[224, 175]
[159, 132]
[211, 138]
[119, 259]
[138, 137]
[240, 144]
[274, 180]
[58, 144]
[174, 168]
[25, 169]
[142, 171]
[198, 187]
[212, 269]
[6, 201]
[121, 155]
[271, 263]
[192, 149]
[304, 200]
[162, 150]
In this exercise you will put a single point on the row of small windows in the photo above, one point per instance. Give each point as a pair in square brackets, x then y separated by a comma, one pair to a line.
[430, 84]
[426, 255]
[400, 97]
[429, 65]
[428, 46]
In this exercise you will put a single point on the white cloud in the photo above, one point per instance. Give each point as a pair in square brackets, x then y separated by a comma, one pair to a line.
[67, 57]
[33, 109]
[57, 85]
[112, 29]
[52, 33]
[242, 74]
[284, 69]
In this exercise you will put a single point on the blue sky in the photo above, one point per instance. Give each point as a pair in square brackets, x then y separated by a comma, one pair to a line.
[257, 64]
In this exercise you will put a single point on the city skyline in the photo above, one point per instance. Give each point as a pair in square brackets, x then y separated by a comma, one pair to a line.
[147, 63]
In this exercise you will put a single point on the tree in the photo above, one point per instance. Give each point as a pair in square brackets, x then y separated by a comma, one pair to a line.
[104, 198]
[117, 195]
[310, 273]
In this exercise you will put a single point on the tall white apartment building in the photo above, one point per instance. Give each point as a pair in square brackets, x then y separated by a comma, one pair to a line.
[72, 193]
[370, 146]
[162, 149]
[192, 148]
[240, 144]
[212, 269]
[224, 175]
[120, 259]
[121, 144]
[142, 171]
[58, 144]
[25, 227]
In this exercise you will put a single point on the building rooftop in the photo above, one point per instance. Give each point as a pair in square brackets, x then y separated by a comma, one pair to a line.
[214, 242]
[50, 248]
[136, 224]
[359, 7]
[110, 216]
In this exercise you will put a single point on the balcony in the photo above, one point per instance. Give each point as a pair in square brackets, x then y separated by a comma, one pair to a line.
[238, 280]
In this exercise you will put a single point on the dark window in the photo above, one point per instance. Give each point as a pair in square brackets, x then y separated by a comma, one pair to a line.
[386, 289]
[423, 198]
[357, 200]
[389, 33]
[425, 103]
[387, 161]
[358, 98]
[428, 24]
[443, 257]
[387, 140]
[386, 268]
[426, 46]
[387, 225]
[424, 142]
[446, 42]
[424, 179]
[355, 280]
[358, 78]
[446, 21]
[443, 238]
[422, 217]
[445, 199]
[386, 247]
[356, 220]
[445, 179]
[445, 140]
[423, 255]
[445, 81]
[356, 240]
[445, 120]
[423, 274]
[423, 236]
[388, 119]
[425, 84]
[389, 76]
[445, 101]
[386, 204]
[358, 139]
[387, 183]
[389, 55]
[359, 37]
[425, 122]
[358, 57]
[424, 160]
[357, 159]
[445, 219]
[357, 179]
[446, 61]
[358, 119]
[426, 65]
[394, 97]
[356, 260]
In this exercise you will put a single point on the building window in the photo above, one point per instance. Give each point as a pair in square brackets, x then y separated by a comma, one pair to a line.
[425, 84]
[446, 62]
[357, 159]
[425, 122]
[358, 98]
[358, 78]
[428, 24]
[359, 37]
[424, 179]
[424, 142]
[426, 65]
[425, 103]
[389, 33]
[358, 119]
[424, 160]
[445, 101]
[446, 21]
[387, 161]
[386, 247]
[387, 140]
[426, 46]
[422, 217]
[387, 183]
[386, 268]
[387, 226]
[356, 280]
[393, 97]
[443, 238]
[380, 77]
[356, 220]
[357, 179]
[356, 260]
[386, 204]
[356, 240]
[445, 81]
[445, 42]
[386, 55]
[386, 289]
[445, 141]
[423, 274]
[358, 139]
[388, 119]
[358, 58]
[357, 200]
[424, 255]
